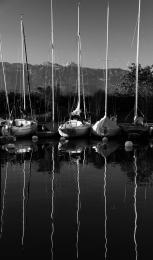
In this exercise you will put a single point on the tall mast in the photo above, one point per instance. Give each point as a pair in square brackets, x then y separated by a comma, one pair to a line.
[52, 51]
[106, 86]
[23, 76]
[6, 93]
[79, 50]
[27, 68]
[137, 65]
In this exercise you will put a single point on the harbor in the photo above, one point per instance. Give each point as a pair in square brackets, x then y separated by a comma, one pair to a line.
[76, 130]
[76, 200]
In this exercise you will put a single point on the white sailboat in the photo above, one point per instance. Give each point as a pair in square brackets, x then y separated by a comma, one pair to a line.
[138, 128]
[75, 127]
[43, 130]
[106, 126]
[22, 127]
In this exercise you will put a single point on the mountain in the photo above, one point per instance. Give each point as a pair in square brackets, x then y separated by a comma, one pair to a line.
[65, 78]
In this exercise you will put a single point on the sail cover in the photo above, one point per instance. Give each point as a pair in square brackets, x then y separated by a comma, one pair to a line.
[77, 111]
[104, 125]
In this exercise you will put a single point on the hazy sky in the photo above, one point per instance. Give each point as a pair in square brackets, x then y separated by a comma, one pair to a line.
[36, 17]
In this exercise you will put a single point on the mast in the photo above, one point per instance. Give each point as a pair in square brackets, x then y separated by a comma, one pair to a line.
[23, 76]
[79, 52]
[52, 51]
[27, 67]
[106, 86]
[137, 65]
[6, 93]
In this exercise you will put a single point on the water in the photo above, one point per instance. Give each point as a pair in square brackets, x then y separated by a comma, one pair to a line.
[76, 200]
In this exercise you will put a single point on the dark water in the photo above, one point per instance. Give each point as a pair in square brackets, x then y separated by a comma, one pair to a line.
[76, 201]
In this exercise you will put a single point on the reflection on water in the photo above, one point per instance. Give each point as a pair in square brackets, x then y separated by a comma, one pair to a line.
[105, 198]
[76, 199]
[52, 209]
[135, 205]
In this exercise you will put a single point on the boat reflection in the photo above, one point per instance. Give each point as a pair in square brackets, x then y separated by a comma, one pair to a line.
[17, 152]
[26, 170]
[74, 149]
[143, 155]
[73, 146]
[105, 150]
[75, 159]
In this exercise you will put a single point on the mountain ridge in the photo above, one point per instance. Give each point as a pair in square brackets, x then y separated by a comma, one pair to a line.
[65, 78]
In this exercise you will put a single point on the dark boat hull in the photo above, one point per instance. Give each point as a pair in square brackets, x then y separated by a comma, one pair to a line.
[135, 132]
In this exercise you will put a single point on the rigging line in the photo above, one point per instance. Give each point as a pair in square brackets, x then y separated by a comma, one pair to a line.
[4, 77]
[27, 68]
[134, 33]
[83, 92]
[23, 75]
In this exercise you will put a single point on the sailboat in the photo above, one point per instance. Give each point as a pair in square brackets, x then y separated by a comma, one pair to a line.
[106, 126]
[50, 130]
[23, 126]
[75, 126]
[138, 129]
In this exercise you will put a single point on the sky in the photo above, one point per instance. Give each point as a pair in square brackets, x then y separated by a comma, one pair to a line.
[37, 23]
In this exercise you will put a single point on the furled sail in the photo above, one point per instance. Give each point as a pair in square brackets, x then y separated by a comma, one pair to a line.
[77, 111]
[105, 125]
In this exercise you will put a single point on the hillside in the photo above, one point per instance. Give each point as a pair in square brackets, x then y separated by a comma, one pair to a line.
[65, 78]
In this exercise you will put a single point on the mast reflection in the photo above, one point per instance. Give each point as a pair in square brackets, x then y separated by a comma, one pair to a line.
[3, 199]
[135, 205]
[105, 199]
[78, 207]
[52, 209]
[23, 204]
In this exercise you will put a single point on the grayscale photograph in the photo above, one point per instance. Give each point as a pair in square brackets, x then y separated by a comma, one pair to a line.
[76, 129]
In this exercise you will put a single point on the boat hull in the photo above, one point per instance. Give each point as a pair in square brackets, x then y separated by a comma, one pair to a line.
[45, 130]
[111, 133]
[105, 127]
[47, 134]
[24, 130]
[135, 132]
[74, 131]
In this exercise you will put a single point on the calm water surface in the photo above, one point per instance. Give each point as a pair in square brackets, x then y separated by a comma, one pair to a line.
[76, 200]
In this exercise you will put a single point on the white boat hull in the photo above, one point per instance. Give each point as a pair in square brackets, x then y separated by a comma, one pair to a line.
[27, 129]
[71, 130]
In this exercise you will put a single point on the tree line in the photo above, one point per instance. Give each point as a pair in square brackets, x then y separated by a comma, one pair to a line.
[121, 102]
